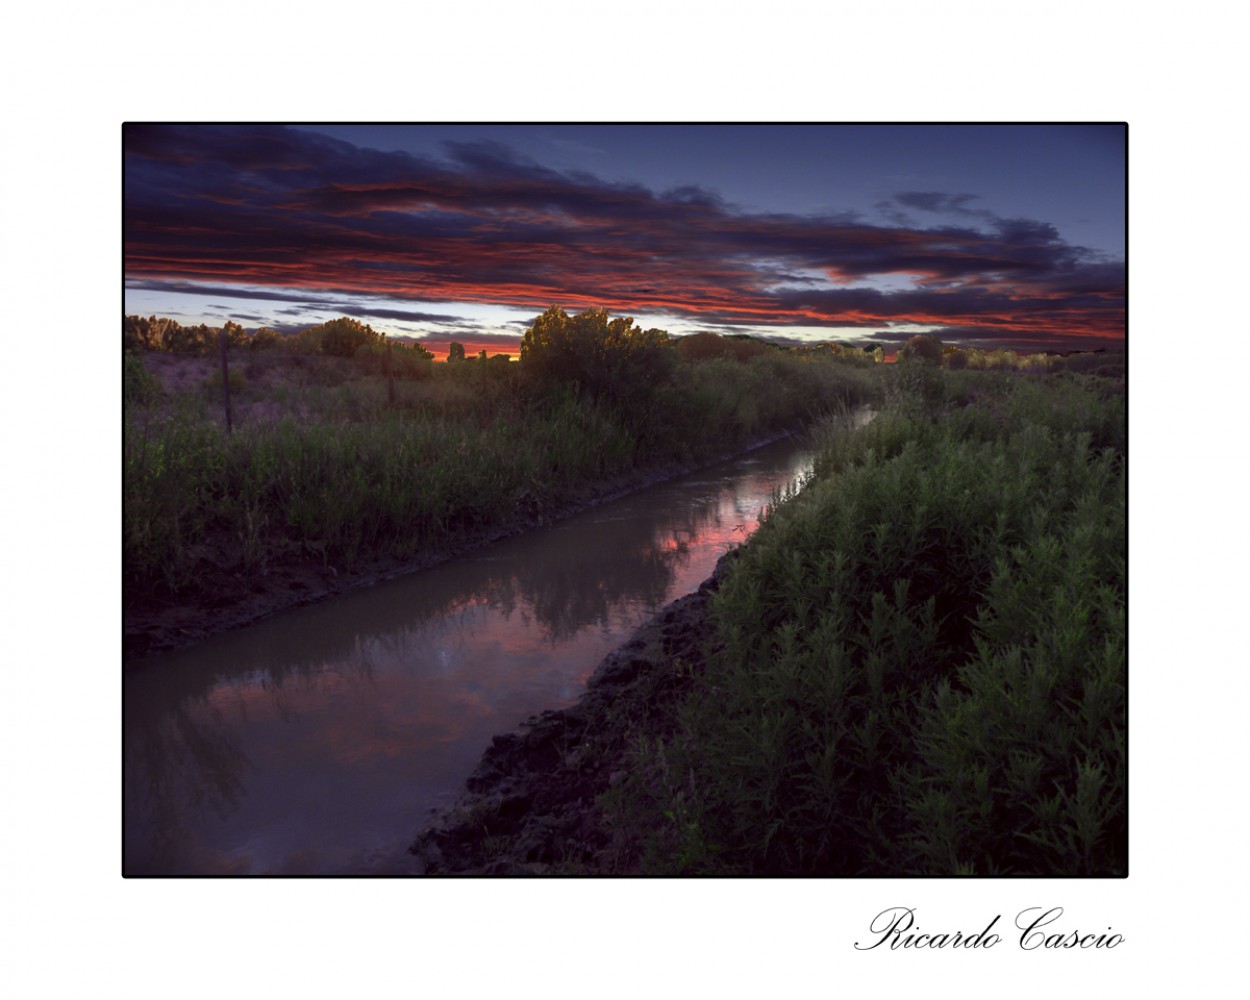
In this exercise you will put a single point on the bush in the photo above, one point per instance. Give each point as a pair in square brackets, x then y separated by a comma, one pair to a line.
[922, 347]
[410, 361]
[704, 346]
[264, 339]
[915, 386]
[921, 661]
[1000, 360]
[343, 337]
[744, 348]
[139, 386]
[608, 360]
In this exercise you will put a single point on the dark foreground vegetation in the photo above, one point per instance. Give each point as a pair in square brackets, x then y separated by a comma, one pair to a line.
[915, 667]
[346, 450]
[923, 662]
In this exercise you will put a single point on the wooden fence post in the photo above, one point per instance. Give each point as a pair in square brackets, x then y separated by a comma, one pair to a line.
[225, 384]
[390, 375]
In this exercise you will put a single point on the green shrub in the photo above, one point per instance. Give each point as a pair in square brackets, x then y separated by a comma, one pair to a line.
[265, 339]
[139, 386]
[211, 386]
[344, 336]
[604, 359]
[921, 662]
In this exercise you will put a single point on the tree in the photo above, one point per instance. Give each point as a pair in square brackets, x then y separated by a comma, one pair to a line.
[922, 347]
[955, 359]
[344, 336]
[606, 359]
[148, 334]
[409, 360]
[236, 336]
[745, 347]
[455, 353]
[702, 346]
[190, 339]
[265, 338]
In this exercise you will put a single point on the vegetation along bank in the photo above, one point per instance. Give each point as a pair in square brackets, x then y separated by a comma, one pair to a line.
[344, 458]
[915, 667]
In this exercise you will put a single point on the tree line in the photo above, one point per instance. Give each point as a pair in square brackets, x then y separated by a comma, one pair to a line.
[343, 337]
[584, 347]
[597, 352]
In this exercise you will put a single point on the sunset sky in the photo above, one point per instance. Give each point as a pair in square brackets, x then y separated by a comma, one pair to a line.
[987, 235]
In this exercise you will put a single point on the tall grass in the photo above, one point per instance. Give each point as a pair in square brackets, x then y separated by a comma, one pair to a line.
[922, 657]
[350, 476]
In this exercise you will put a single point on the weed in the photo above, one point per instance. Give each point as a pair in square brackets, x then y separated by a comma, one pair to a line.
[921, 665]
[350, 476]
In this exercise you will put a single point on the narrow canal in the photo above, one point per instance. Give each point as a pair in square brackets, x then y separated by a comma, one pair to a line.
[318, 742]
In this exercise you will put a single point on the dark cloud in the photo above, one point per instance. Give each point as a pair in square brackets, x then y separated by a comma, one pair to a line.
[227, 291]
[490, 157]
[370, 312]
[300, 215]
[936, 201]
[305, 303]
[289, 327]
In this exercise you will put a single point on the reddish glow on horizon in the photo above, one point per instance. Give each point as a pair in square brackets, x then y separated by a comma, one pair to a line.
[473, 349]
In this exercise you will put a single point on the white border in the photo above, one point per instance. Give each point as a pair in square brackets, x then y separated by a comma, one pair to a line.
[73, 922]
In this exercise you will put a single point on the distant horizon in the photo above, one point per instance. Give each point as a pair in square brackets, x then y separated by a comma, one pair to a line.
[440, 346]
[987, 236]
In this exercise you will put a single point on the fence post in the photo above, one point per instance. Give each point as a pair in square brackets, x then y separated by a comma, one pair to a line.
[225, 384]
[390, 375]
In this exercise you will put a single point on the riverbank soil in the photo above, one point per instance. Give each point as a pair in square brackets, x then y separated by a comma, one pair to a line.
[530, 807]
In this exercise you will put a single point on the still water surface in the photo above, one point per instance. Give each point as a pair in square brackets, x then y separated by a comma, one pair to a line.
[317, 742]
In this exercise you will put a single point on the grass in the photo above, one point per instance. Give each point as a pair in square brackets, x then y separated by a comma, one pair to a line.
[920, 666]
[334, 469]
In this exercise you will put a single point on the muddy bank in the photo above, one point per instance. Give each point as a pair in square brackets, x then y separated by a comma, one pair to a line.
[225, 600]
[530, 806]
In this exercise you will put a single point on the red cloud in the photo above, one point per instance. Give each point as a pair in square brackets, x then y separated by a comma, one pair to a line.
[284, 209]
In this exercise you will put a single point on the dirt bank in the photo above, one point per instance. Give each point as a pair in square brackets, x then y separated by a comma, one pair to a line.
[224, 600]
[530, 806]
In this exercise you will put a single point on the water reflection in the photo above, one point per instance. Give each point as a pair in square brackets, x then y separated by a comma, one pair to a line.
[318, 741]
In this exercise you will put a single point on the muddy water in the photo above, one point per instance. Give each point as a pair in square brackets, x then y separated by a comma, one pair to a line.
[318, 742]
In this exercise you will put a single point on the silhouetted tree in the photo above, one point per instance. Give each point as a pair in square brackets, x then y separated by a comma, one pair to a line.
[455, 352]
[744, 347]
[701, 346]
[190, 339]
[955, 359]
[265, 338]
[344, 336]
[236, 336]
[922, 347]
[606, 359]
[147, 334]
[407, 360]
